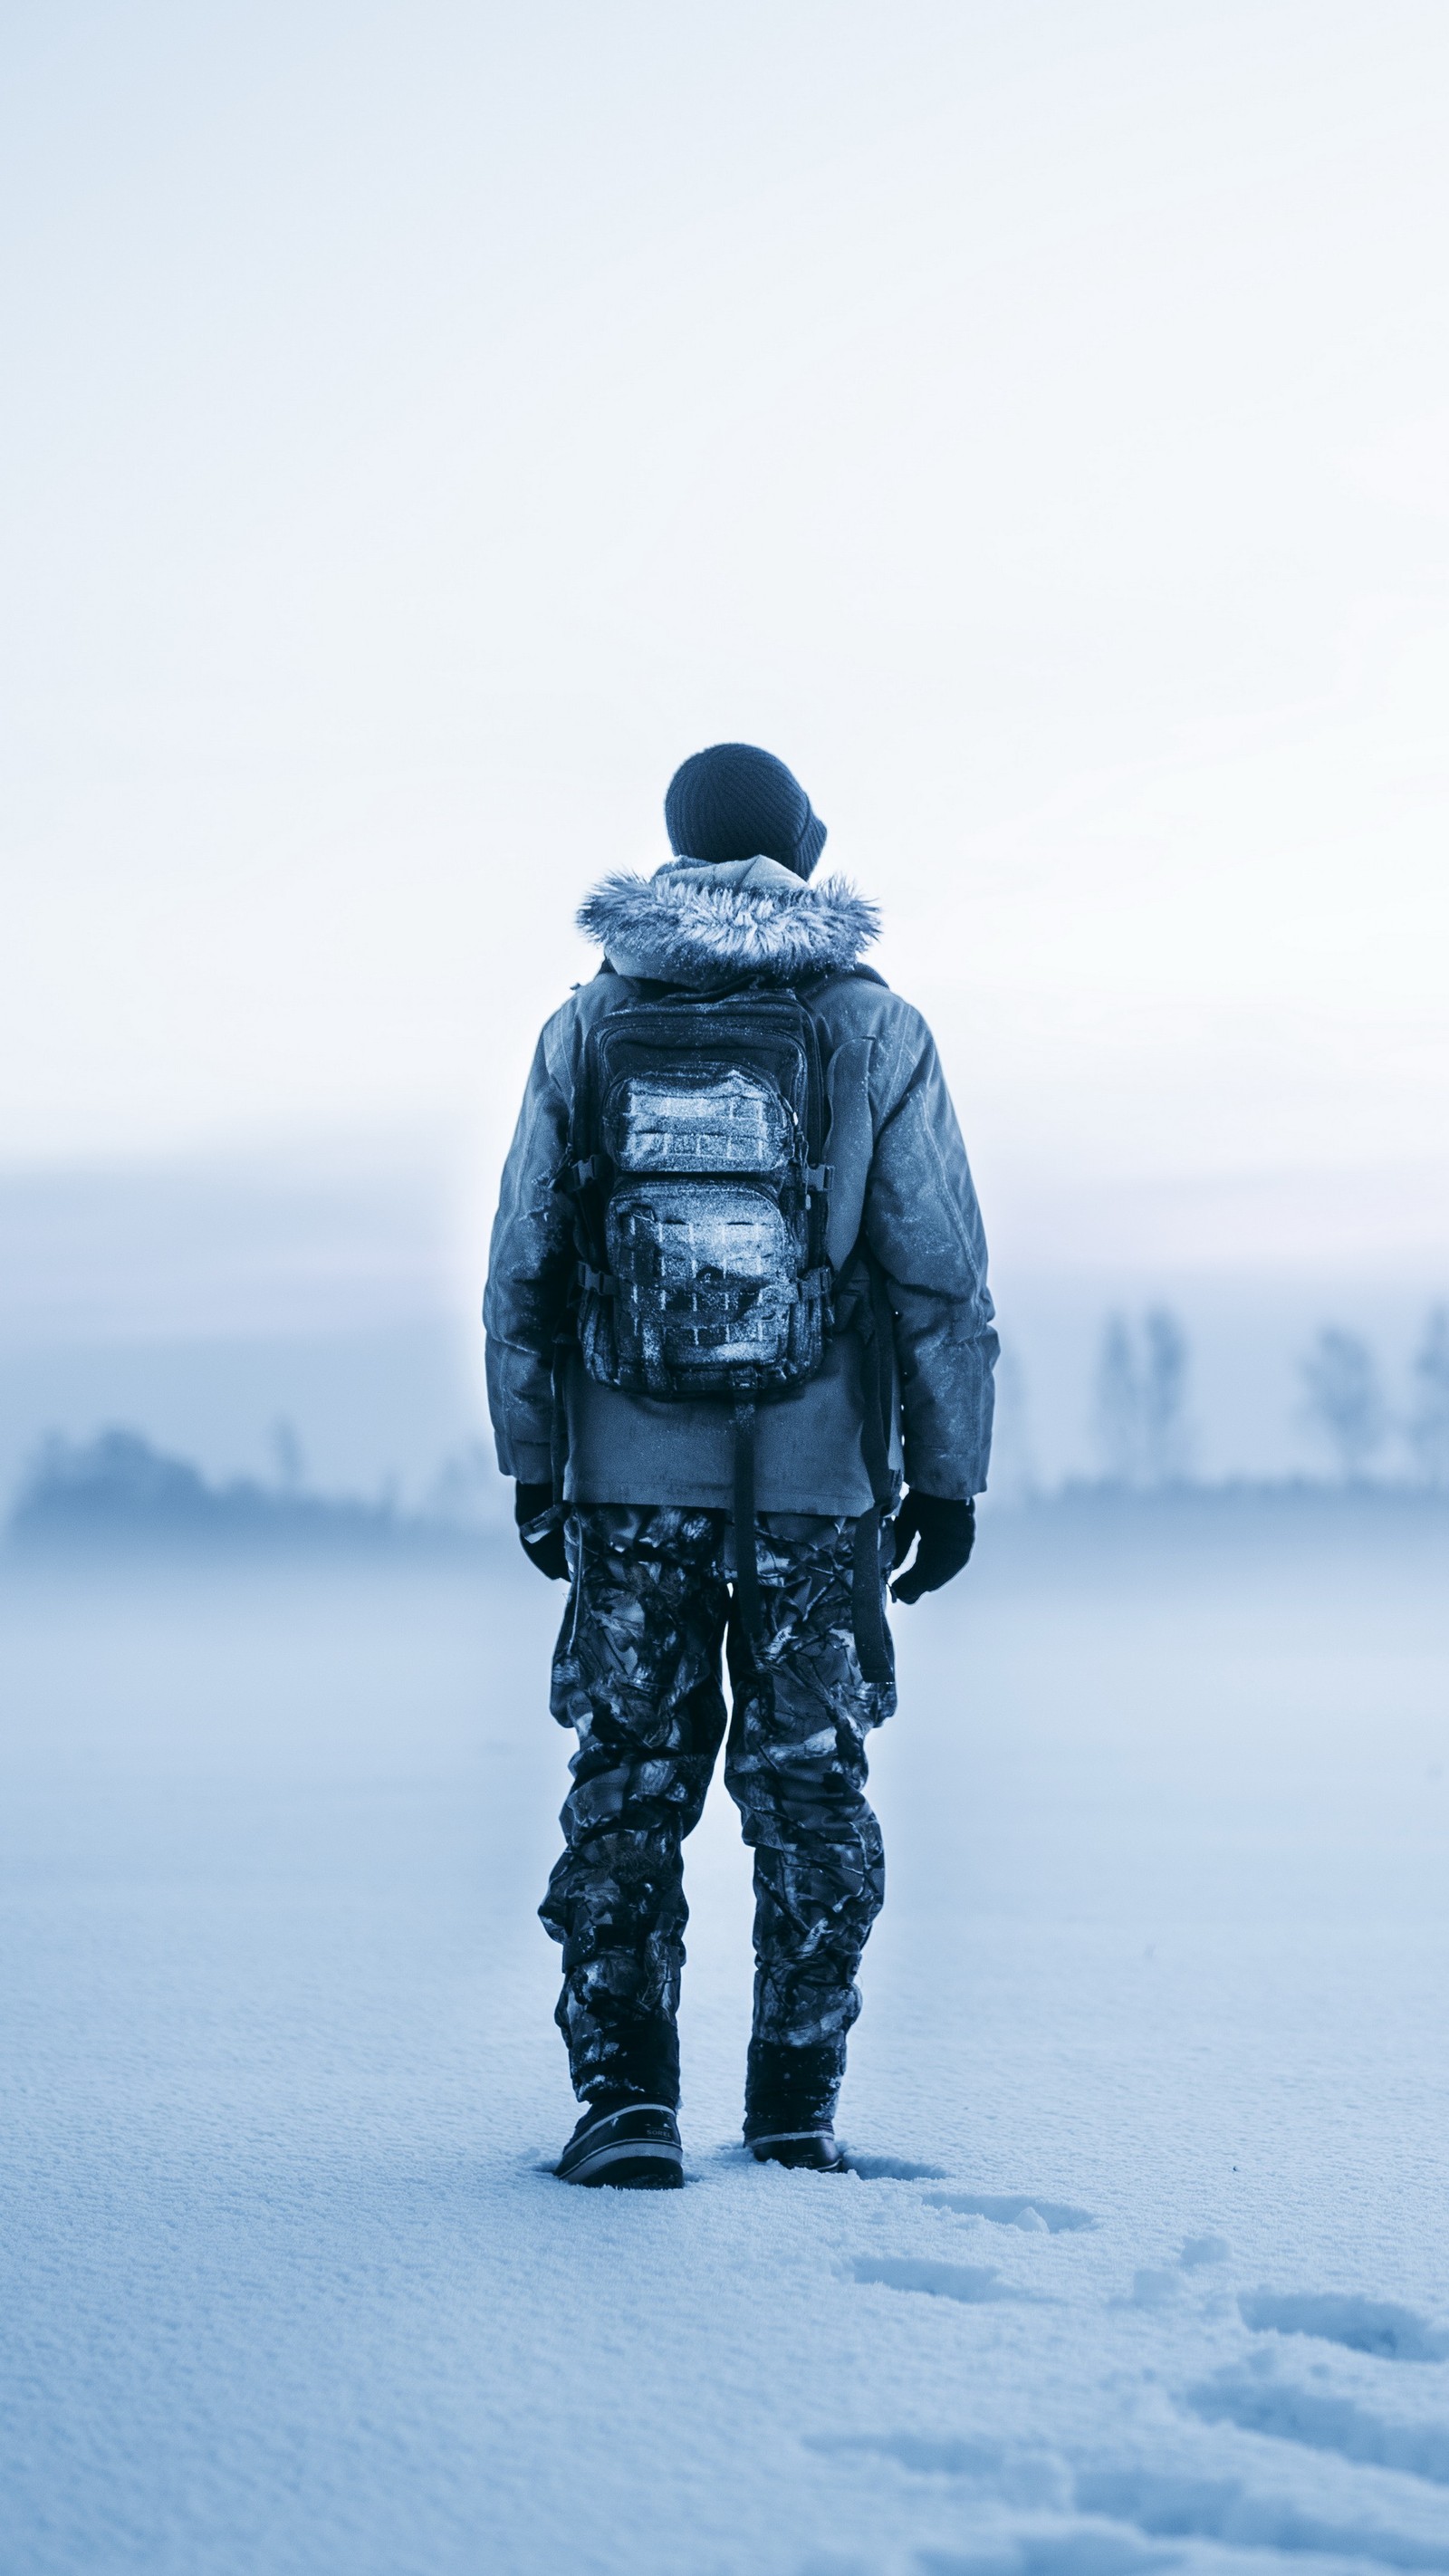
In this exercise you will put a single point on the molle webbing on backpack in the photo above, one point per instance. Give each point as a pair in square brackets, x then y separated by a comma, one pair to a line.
[696, 1167]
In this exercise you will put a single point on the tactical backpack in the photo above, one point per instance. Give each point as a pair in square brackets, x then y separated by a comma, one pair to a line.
[701, 1198]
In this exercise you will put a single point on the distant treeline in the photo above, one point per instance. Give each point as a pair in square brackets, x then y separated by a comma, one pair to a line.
[1143, 1419]
[118, 1488]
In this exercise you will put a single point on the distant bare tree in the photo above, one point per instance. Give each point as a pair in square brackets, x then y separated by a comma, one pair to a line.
[288, 1464]
[1164, 1397]
[1429, 1419]
[1119, 1404]
[1014, 1475]
[1344, 1399]
[1141, 1393]
[468, 1493]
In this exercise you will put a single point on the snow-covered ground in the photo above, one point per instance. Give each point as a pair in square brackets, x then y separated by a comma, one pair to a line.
[1143, 2262]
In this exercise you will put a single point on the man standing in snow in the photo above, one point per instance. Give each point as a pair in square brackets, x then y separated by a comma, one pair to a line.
[737, 1296]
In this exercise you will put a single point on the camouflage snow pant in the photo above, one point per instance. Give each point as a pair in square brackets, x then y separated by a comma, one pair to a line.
[637, 1673]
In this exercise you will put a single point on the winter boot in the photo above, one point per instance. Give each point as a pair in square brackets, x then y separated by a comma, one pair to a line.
[790, 2105]
[802, 2150]
[634, 2146]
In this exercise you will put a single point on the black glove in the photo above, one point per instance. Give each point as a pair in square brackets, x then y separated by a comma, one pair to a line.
[946, 1531]
[545, 1548]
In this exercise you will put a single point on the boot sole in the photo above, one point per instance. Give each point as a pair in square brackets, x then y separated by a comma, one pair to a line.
[639, 2164]
[792, 2148]
[631, 2168]
[636, 2147]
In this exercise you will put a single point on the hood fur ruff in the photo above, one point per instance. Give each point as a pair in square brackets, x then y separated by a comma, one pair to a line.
[690, 926]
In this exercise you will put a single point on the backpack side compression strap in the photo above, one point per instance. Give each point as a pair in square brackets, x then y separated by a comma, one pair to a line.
[867, 1611]
[747, 1554]
[877, 1324]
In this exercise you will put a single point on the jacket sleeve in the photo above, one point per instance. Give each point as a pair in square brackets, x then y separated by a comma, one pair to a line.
[923, 1225]
[528, 1273]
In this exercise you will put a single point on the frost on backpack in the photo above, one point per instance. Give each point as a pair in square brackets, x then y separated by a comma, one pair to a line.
[701, 1197]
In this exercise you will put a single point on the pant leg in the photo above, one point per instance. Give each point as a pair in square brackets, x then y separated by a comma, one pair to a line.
[637, 1674]
[796, 1768]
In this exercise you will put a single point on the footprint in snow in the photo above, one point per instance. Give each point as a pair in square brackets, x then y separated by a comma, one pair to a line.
[1166, 2507]
[1085, 2551]
[1319, 2422]
[1374, 2326]
[890, 2168]
[1034, 2479]
[1200, 2250]
[1035, 2217]
[1156, 2288]
[1151, 2289]
[970, 2284]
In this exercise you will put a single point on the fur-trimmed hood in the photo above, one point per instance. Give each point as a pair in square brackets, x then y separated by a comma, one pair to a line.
[695, 925]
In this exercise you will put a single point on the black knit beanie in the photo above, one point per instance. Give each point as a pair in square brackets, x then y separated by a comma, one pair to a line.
[734, 802]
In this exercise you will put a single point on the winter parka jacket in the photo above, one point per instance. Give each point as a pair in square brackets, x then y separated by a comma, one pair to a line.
[900, 1181]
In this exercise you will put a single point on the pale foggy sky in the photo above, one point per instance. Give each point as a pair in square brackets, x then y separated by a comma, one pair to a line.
[427, 423]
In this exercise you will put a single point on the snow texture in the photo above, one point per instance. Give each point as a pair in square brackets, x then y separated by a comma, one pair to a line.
[1141, 2262]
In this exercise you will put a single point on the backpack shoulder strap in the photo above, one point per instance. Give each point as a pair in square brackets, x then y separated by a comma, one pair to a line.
[813, 988]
